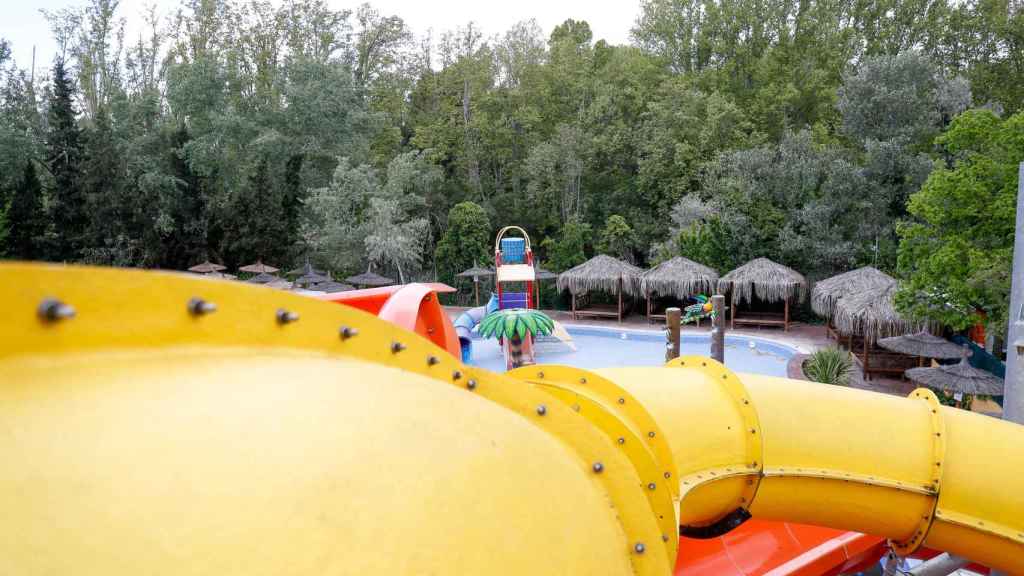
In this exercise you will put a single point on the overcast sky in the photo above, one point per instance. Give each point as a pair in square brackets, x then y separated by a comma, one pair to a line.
[23, 25]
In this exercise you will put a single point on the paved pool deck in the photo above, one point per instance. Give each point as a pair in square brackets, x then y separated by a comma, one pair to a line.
[805, 338]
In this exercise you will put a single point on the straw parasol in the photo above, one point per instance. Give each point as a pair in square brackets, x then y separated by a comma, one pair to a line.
[330, 286]
[263, 278]
[602, 272]
[873, 314]
[542, 274]
[679, 277]
[310, 276]
[306, 269]
[825, 293]
[960, 377]
[369, 279]
[207, 268]
[475, 273]
[923, 344]
[769, 281]
[259, 268]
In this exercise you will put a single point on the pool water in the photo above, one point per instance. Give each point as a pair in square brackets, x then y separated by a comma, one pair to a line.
[608, 347]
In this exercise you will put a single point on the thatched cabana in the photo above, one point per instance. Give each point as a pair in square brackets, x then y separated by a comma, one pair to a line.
[767, 282]
[868, 316]
[826, 293]
[600, 273]
[679, 278]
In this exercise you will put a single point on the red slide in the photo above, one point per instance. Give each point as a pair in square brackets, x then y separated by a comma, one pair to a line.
[412, 306]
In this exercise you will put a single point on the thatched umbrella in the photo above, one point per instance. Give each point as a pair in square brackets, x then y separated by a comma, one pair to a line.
[369, 279]
[306, 269]
[259, 268]
[679, 277]
[872, 313]
[602, 272]
[768, 281]
[263, 278]
[330, 286]
[924, 345]
[311, 276]
[958, 378]
[475, 273]
[207, 268]
[825, 293]
[542, 274]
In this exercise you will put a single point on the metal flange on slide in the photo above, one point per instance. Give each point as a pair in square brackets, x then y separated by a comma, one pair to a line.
[938, 454]
[753, 463]
[627, 423]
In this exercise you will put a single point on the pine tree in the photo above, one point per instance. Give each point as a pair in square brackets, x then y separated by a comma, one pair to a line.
[64, 156]
[102, 184]
[187, 205]
[26, 222]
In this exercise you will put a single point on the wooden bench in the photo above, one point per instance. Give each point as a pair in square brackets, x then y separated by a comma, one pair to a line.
[884, 363]
[760, 319]
[597, 311]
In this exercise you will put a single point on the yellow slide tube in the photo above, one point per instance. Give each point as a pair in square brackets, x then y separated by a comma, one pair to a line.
[173, 425]
[904, 468]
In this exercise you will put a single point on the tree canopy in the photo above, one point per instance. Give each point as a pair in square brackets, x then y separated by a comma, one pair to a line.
[725, 131]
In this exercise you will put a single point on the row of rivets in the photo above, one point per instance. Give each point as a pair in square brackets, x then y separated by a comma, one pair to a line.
[52, 310]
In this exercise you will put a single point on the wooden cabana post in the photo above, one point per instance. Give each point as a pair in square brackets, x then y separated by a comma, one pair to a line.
[620, 299]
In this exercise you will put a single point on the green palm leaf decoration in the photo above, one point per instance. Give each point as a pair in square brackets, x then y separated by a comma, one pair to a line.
[515, 323]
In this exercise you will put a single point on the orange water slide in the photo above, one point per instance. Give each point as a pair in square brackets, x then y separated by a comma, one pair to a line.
[414, 307]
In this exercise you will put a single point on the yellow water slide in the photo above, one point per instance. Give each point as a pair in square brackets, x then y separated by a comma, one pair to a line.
[157, 423]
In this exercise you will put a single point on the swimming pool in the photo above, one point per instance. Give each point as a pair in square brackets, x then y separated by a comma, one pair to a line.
[609, 347]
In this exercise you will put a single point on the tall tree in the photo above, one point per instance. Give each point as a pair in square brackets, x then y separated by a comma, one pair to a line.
[466, 241]
[67, 206]
[26, 220]
[110, 238]
[955, 254]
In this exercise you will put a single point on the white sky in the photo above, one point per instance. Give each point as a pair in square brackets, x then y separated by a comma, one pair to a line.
[24, 26]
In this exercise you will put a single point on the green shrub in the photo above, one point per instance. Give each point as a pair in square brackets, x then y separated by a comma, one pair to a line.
[830, 366]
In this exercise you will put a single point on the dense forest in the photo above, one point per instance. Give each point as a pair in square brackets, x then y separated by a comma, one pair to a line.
[824, 135]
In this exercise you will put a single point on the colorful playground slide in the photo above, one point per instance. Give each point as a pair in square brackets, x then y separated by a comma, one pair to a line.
[174, 425]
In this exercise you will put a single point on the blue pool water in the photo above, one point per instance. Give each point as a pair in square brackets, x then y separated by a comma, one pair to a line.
[608, 347]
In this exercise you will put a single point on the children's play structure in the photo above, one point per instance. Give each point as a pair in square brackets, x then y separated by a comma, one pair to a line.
[158, 423]
[515, 275]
